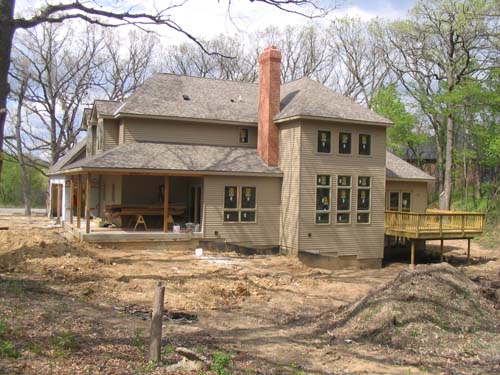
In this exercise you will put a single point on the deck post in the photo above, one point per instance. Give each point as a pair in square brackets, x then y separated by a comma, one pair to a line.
[463, 225]
[71, 193]
[165, 203]
[79, 202]
[58, 204]
[87, 204]
[468, 250]
[412, 262]
[441, 251]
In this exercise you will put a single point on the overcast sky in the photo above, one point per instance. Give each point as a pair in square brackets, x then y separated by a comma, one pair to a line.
[207, 18]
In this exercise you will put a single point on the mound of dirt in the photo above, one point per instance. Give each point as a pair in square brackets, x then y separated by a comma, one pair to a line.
[435, 309]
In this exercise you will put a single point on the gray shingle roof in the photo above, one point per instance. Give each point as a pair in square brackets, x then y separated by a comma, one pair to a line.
[397, 168]
[106, 107]
[208, 99]
[68, 157]
[178, 157]
[305, 97]
[222, 100]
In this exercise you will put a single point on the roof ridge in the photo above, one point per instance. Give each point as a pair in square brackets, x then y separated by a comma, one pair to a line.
[205, 78]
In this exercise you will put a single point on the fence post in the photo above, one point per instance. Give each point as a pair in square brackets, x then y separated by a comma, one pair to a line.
[156, 324]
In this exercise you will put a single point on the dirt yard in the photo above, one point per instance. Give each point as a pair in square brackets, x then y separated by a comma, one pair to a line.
[71, 308]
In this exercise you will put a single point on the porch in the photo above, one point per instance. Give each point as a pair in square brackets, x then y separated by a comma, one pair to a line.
[434, 225]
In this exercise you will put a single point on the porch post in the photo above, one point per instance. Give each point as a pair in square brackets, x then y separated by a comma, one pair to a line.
[87, 205]
[71, 193]
[79, 202]
[165, 204]
[441, 251]
[58, 204]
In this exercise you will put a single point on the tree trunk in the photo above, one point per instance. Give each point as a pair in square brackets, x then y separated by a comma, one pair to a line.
[445, 196]
[19, 149]
[439, 166]
[6, 35]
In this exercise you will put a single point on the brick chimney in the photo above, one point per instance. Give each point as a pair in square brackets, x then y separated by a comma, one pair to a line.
[269, 104]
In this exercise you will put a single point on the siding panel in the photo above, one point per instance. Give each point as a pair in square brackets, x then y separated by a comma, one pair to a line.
[265, 232]
[146, 130]
[110, 134]
[289, 162]
[362, 240]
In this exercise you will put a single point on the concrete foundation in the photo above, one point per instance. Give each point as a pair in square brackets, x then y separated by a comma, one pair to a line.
[239, 248]
[337, 262]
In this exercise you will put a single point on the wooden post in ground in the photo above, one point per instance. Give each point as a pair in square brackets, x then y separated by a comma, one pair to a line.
[156, 324]
[412, 261]
[71, 203]
[468, 250]
[165, 204]
[58, 204]
[79, 202]
[441, 250]
[87, 205]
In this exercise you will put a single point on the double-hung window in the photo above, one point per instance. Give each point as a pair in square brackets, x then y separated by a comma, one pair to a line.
[324, 141]
[322, 199]
[344, 185]
[364, 196]
[239, 207]
[345, 140]
[365, 144]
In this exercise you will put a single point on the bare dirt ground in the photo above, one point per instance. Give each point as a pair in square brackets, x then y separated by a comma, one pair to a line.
[72, 308]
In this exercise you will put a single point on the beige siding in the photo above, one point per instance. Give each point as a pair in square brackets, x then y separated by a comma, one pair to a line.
[418, 190]
[289, 162]
[110, 134]
[265, 232]
[91, 138]
[146, 130]
[364, 241]
[121, 133]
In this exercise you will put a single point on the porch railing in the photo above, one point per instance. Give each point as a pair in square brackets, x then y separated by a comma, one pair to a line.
[434, 223]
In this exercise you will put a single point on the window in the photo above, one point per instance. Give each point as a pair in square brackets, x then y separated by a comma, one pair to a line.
[365, 142]
[248, 203]
[344, 143]
[242, 207]
[406, 201]
[323, 199]
[364, 196]
[243, 135]
[324, 141]
[230, 203]
[399, 201]
[344, 200]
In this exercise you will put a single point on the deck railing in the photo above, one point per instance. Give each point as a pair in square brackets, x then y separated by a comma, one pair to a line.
[434, 222]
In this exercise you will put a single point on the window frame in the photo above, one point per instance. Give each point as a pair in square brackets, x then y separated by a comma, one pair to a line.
[369, 144]
[341, 132]
[247, 136]
[348, 211]
[368, 188]
[317, 142]
[400, 200]
[323, 187]
[238, 209]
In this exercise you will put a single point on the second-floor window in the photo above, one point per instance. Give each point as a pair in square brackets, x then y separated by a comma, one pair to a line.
[243, 135]
[365, 142]
[324, 141]
[345, 143]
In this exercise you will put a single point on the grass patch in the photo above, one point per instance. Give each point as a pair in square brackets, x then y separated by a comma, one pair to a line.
[220, 362]
[8, 350]
[64, 343]
[490, 238]
[138, 340]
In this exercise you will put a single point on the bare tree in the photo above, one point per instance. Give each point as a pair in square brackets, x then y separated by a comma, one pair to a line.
[95, 12]
[59, 80]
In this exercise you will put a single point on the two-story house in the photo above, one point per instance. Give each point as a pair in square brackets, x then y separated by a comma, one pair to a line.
[295, 166]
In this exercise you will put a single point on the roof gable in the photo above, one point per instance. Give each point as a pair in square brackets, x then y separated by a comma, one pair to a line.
[397, 168]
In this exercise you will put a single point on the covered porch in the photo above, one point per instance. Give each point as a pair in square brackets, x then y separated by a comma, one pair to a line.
[434, 225]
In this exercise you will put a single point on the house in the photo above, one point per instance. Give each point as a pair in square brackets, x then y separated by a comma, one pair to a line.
[295, 166]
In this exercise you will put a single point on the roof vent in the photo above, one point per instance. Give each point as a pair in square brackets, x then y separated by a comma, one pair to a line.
[186, 97]
[232, 100]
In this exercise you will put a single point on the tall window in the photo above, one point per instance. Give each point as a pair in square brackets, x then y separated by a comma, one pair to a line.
[322, 199]
[344, 199]
[243, 135]
[405, 201]
[365, 143]
[344, 143]
[239, 207]
[364, 189]
[324, 141]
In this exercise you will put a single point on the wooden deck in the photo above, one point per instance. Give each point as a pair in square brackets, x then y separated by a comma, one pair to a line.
[434, 224]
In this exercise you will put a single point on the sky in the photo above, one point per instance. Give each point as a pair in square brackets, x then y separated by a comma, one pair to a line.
[208, 18]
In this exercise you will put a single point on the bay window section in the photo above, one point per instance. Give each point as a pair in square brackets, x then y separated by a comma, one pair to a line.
[344, 199]
[323, 199]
